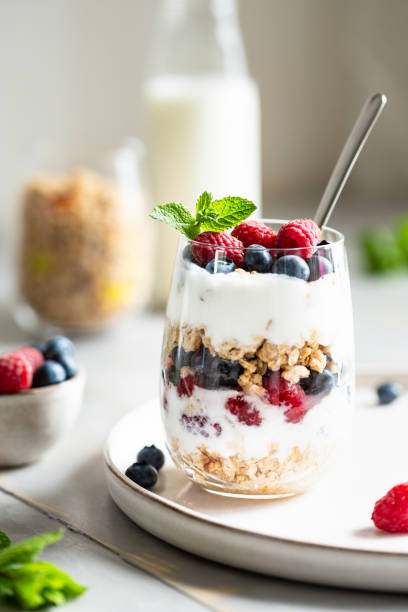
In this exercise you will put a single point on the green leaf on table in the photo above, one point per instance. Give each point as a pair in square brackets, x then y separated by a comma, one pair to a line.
[402, 235]
[226, 213]
[39, 583]
[4, 540]
[27, 550]
[178, 216]
[382, 251]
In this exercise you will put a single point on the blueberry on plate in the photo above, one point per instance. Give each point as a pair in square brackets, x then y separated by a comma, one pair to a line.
[317, 382]
[69, 365]
[58, 346]
[257, 259]
[49, 373]
[220, 266]
[319, 266]
[151, 455]
[292, 265]
[142, 474]
[388, 392]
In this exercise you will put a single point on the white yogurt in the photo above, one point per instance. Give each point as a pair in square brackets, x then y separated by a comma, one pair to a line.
[326, 424]
[241, 307]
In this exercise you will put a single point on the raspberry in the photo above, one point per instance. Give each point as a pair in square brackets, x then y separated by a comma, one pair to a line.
[16, 372]
[33, 355]
[243, 410]
[199, 424]
[255, 232]
[186, 386]
[281, 392]
[206, 244]
[301, 234]
[391, 511]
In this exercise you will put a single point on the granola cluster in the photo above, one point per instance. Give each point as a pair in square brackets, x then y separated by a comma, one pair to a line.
[294, 362]
[258, 476]
[81, 258]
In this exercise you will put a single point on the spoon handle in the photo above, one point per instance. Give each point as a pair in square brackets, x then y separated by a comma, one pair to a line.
[348, 157]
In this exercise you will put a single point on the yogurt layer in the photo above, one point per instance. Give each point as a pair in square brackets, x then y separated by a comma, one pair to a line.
[240, 307]
[325, 425]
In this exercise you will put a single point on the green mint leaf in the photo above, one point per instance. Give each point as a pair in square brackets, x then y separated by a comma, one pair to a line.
[27, 550]
[39, 583]
[4, 540]
[6, 587]
[203, 203]
[178, 217]
[226, 213]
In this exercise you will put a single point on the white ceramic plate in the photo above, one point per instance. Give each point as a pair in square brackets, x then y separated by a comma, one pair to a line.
[324, 536]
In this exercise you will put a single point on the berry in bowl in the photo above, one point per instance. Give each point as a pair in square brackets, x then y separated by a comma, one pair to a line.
[41, 393]
[257, 362]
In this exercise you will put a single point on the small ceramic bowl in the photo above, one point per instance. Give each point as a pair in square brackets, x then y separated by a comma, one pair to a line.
[31, 422]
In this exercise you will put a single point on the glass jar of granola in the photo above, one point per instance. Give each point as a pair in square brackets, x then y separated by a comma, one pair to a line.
[257, 365]
[84, 239]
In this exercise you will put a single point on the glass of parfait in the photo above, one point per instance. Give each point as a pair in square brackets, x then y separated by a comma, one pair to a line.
[257, 362]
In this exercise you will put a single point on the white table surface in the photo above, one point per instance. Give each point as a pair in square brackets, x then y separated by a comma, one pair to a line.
[124, 567]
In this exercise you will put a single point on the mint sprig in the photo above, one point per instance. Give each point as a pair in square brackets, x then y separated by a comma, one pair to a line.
[210, 215]
[29, 583]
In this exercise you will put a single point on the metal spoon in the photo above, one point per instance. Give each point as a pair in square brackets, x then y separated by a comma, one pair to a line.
[348, 157]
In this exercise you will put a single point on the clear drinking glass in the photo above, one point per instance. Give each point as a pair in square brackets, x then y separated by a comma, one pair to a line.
[84, 239]
[257, 369]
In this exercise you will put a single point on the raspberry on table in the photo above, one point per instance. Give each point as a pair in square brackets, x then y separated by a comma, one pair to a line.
[242, 409]
[391, 511]
[205, 246]
[33, 355]
[255, 232]
[16, 372]
[301, 234]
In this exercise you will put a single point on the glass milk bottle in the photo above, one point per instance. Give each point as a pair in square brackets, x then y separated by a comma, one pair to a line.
[203, 115]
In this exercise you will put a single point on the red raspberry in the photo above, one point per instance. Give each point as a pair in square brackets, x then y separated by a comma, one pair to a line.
[200, 424]
[255, 232]
[391, 511]
[243, 410]
[16, 372]
[281, 392]
[302, 234]
[186, 386]
[206, 244]
[33, 355]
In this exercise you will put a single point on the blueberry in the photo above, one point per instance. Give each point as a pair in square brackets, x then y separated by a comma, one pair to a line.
[324, 243]
[142, 474]
[292, 265]
[388, 392]
[220, 266]
[58, 346]
[213, 372]
[40, 346]
[257, 259]
[319, 266]
[151, 455]
[317, 383]
[180, 358]
[49, 373]
[69, 365]
[188, 254]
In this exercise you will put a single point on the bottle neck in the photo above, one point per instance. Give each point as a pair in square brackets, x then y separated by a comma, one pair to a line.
[198, 37]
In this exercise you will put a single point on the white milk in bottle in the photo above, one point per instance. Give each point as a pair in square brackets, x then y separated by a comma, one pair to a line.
[203, 116]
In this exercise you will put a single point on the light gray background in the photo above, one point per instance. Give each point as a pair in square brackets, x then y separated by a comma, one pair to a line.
[72, 71]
